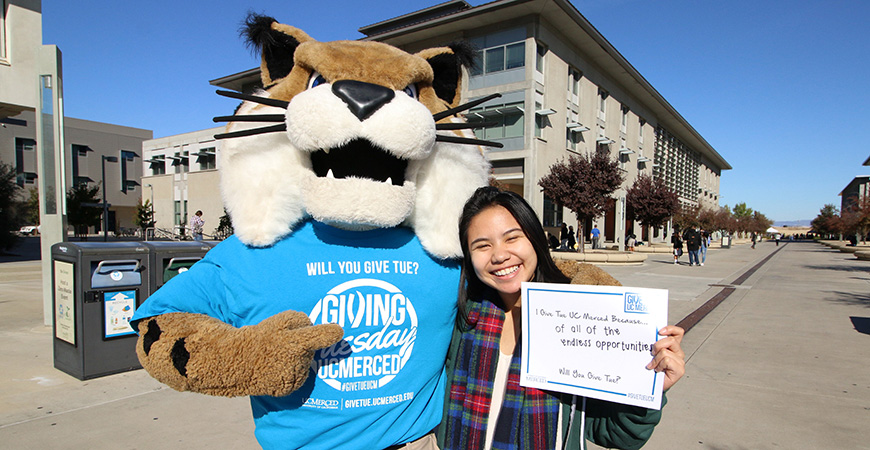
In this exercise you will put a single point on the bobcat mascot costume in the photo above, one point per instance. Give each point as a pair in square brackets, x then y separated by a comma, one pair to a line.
[333, 304]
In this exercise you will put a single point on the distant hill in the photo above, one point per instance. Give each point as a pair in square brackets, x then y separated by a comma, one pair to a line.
[793, 223]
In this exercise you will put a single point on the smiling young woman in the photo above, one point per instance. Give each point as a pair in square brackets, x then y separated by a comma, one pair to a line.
[503, 245]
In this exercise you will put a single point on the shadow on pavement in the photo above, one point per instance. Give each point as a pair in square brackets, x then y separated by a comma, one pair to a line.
[861, 324]
[851, 298]
[851, 268]
[27, 249]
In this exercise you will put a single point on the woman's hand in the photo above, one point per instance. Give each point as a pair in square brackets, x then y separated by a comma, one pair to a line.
[668, 355]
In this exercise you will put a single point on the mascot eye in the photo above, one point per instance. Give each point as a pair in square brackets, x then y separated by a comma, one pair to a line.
[315, 80]
[411, 90]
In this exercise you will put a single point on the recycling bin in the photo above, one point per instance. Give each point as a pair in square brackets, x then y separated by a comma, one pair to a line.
[170, 258]
[726, 241]
[97, 287]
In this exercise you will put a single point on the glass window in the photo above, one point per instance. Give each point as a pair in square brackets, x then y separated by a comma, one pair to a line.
[494, 59]
[478, 67]
[574, 76]
[552, 216]
[206, 159]
[2, 29]
[509, 120]
[158, 165]
[539, 59]
[181, 162]
[516, 56]
[501, 57]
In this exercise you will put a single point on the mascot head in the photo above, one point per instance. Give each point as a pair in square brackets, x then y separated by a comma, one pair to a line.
[362, 135]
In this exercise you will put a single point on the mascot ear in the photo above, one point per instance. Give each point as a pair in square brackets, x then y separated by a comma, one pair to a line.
[276, 42]
[447, 63]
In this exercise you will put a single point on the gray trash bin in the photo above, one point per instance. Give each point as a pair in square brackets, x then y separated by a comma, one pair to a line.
[726, 241]
[169, 258]
[97, 287]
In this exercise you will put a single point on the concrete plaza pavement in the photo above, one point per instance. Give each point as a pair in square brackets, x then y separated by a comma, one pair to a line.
[782, 362]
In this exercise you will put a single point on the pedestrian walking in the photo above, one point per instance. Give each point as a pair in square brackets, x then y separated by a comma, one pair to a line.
[563, 237]
[596, 233]
[754, 238]
[678, 246]
[693, 245]
[571, 241]
[196, 224]
[705, 242]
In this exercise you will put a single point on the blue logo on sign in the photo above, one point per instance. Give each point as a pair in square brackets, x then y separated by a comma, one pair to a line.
[634, 304]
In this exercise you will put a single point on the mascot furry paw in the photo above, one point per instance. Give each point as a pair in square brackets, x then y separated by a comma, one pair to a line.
[333, 304]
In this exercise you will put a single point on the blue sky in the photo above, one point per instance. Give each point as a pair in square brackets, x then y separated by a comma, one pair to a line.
[779, 88]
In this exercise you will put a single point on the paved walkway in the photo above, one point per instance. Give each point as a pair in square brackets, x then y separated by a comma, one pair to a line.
[781, 363]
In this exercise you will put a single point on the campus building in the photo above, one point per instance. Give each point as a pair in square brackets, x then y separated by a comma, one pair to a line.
[565, 90]
[181, 177]
[85, 144]
[34, 133]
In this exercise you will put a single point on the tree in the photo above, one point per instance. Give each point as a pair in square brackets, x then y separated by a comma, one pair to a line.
[759, 223]
[80, 215]
[31, 213]
[225, 226]
[687, 216]
[650, 202]
[144, 215]
[743, 215]
[583, 184]
[828, 221]
[10, 207]
[856, 218]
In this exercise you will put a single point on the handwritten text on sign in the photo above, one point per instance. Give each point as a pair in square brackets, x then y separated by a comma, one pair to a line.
[593, 341]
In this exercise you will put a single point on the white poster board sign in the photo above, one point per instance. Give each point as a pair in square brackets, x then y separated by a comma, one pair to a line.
[64, 302]
[118, 309]
[593, 341]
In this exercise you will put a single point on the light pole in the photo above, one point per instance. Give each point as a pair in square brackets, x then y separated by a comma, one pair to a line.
[103, 160]
[151, 190]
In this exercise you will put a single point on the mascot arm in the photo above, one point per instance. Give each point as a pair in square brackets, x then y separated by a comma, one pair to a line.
[198, 353]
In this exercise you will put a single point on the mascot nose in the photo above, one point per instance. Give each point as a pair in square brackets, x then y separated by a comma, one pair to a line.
[363, 99]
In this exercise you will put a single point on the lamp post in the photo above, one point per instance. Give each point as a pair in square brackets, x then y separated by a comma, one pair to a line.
[151, 189]
[103, 160]
[151, 207]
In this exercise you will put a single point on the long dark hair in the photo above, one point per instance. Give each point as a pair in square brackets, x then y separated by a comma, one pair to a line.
[470, 287]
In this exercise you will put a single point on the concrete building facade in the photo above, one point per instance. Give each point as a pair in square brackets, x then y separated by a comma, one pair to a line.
[564, 91]
[85, 143]
[180, 177]
[855, 193]
[37, 140]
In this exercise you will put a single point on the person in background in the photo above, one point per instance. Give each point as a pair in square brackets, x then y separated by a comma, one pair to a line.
[693, 244]
[563, 237]
[678, 245]
[503, 245]
[596, 233]
[196, 224]
[630, 242]
[571, 241]
[705, 242]
[554, 243]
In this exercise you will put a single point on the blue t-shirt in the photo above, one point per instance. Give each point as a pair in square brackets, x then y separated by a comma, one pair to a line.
[384, 383]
